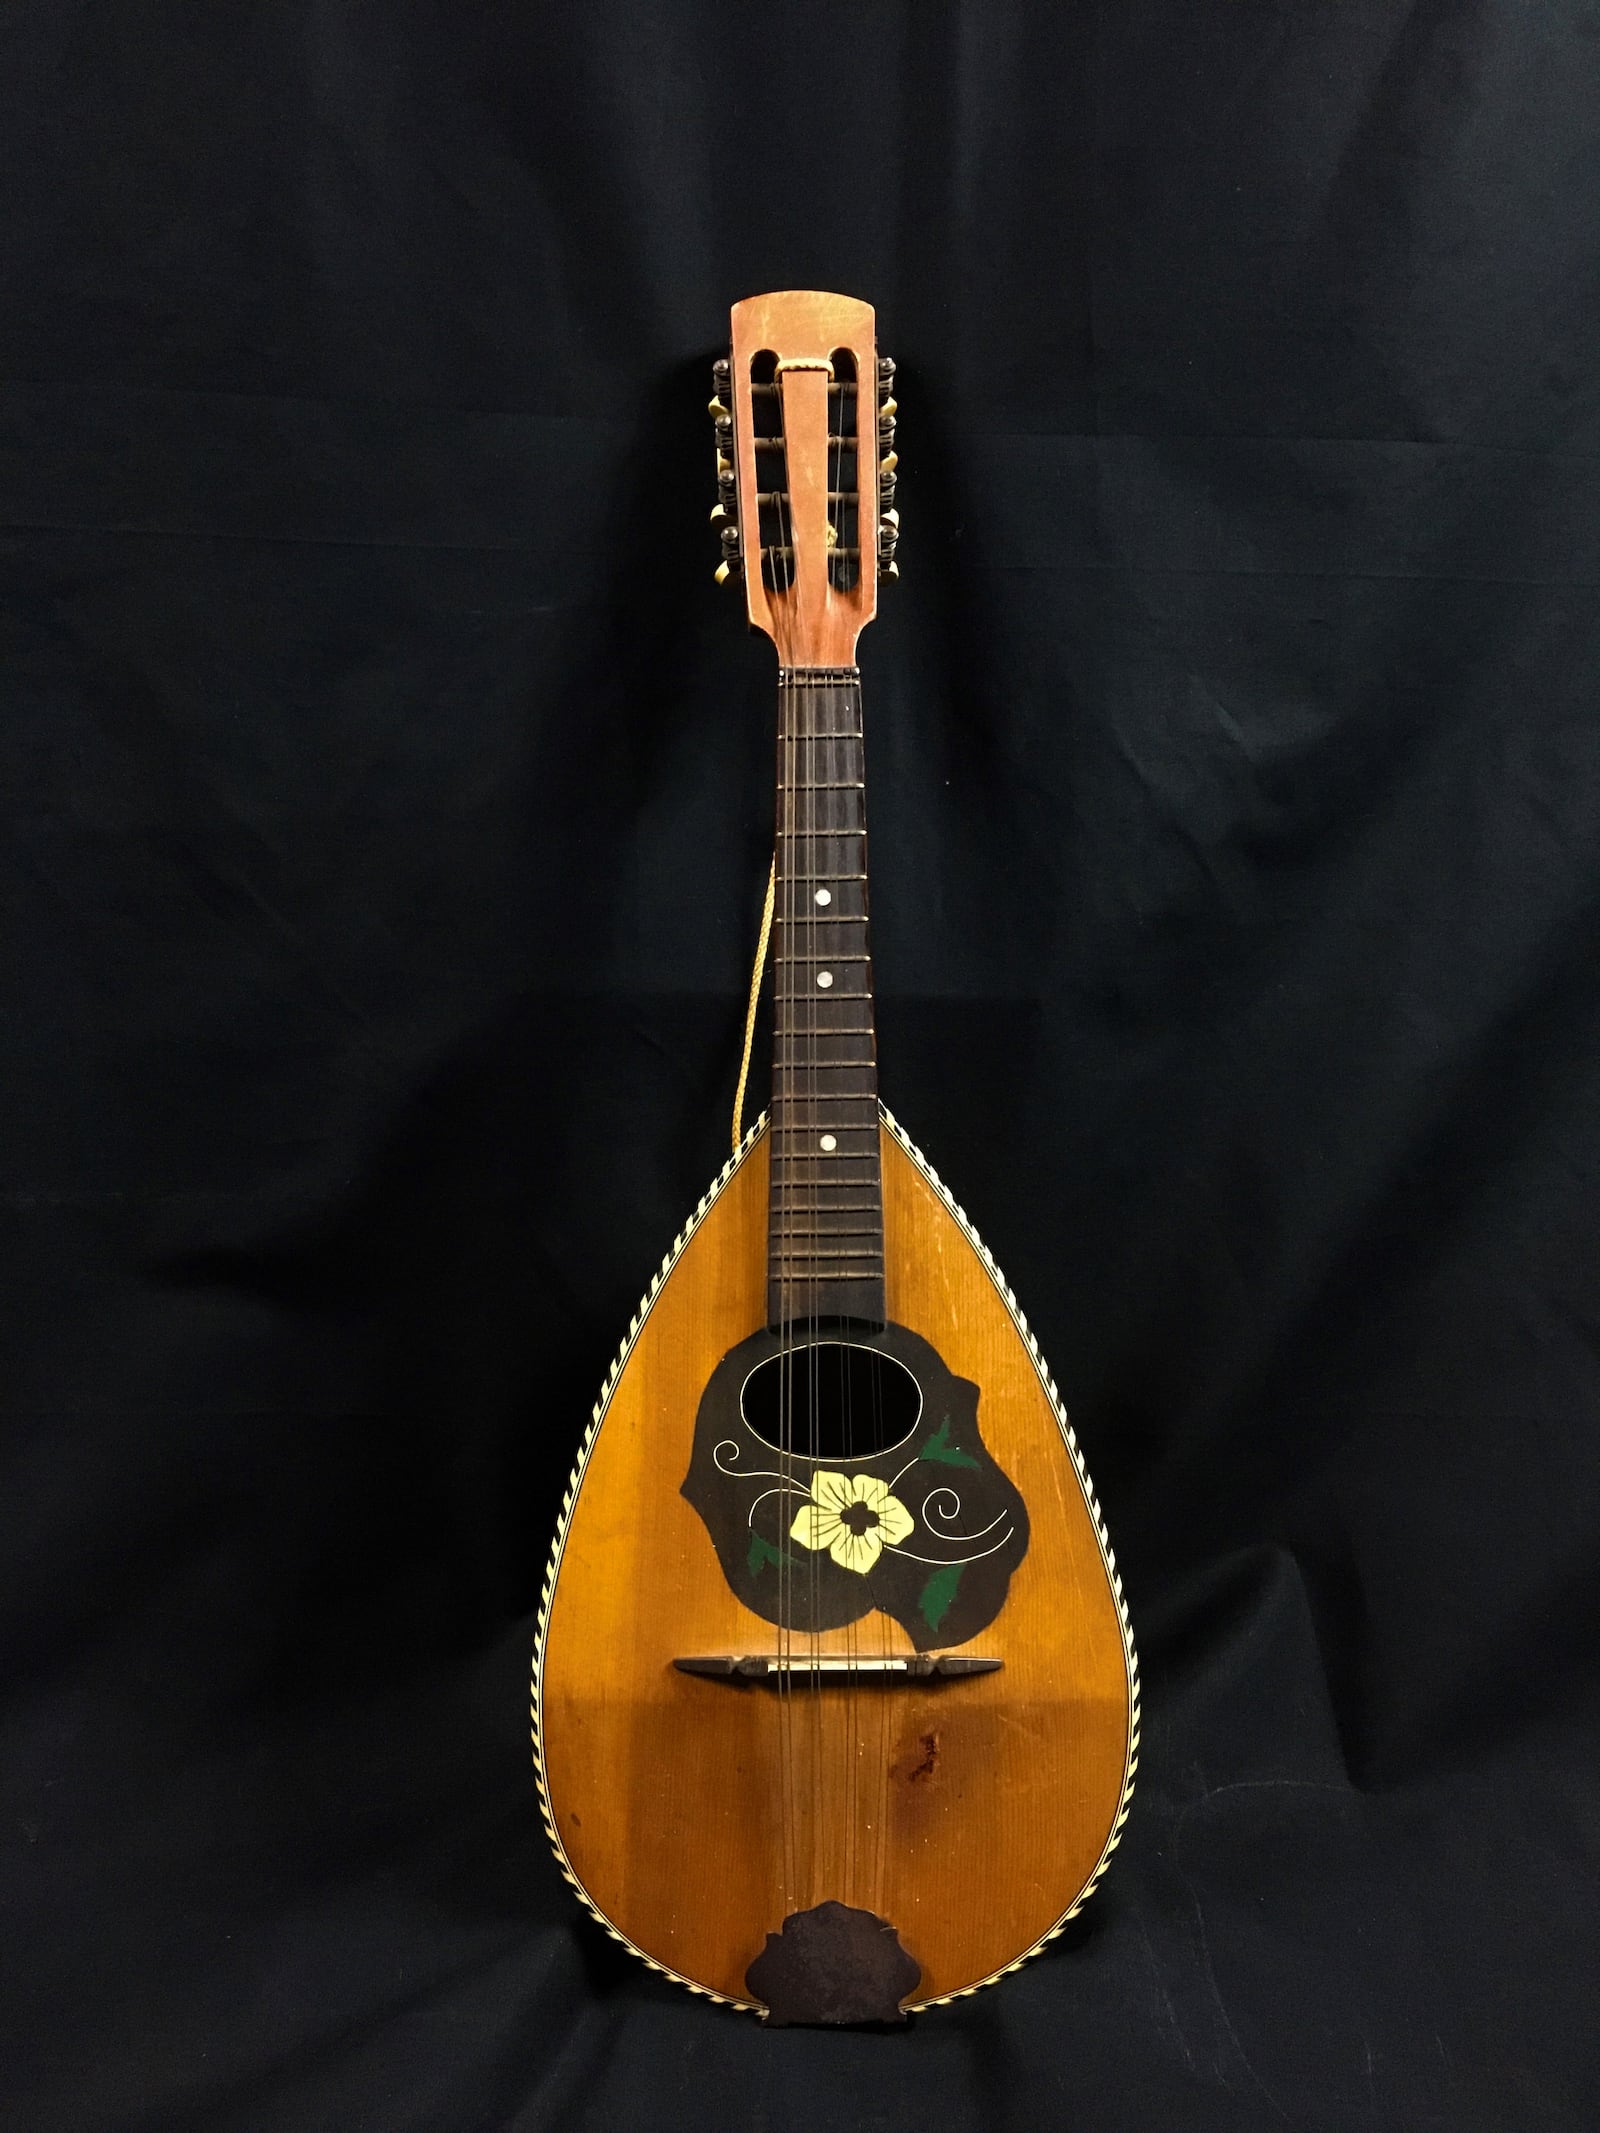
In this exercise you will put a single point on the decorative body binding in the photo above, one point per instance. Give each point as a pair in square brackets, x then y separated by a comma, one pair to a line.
[1092, 1505]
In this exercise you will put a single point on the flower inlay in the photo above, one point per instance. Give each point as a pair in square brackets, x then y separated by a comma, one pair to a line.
[854, 1517]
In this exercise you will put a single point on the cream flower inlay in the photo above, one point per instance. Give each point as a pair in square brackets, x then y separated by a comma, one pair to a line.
[854, 1517]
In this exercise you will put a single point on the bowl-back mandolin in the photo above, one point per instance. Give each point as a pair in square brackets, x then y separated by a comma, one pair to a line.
[835, 1703]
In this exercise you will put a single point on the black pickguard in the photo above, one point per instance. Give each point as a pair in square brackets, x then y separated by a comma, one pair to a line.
[944, 1580]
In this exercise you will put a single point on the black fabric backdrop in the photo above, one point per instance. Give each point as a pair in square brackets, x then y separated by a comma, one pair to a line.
[387, 803]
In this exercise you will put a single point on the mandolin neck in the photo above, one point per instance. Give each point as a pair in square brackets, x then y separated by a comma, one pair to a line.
[825, 1232]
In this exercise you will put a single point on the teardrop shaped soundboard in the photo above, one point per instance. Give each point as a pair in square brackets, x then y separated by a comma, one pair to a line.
[879, 1768]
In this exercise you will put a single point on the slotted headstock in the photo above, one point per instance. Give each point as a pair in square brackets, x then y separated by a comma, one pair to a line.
[805, 422]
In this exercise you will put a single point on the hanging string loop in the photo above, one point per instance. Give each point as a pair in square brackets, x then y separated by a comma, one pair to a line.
[755, 1002]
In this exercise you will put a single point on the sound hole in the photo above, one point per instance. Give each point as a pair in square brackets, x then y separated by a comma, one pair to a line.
[831, 1400]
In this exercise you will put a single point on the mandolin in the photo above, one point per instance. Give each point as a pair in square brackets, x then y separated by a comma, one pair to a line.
[835, 1703]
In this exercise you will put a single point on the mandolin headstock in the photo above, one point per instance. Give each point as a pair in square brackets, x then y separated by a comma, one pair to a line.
[805, 421]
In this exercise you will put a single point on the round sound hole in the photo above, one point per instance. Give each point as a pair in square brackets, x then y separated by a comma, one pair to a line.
[831, 1400]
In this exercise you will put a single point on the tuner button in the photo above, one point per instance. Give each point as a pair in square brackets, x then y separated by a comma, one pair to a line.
[720, 514]
[888, 463]
[889, 408]
[724, 468]
[727, 570]
[892, 518]
[715, 408]
[889, 568]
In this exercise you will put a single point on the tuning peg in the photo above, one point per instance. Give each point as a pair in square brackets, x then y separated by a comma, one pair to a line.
[889, 568]
[715, 408]
[728, 570]
[730, 538]
[888, 463]
[720, 514]
[885, 370]
[891, 518]
[721, 375]
[887, 410]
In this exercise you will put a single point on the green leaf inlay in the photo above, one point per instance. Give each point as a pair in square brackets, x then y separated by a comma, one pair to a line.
[762, 1552]
[940, 1449]
[938, 1595]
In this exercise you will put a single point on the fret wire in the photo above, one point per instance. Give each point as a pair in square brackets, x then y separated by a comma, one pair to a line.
[831, 1155]
[874, 1229]
[832, 1113]
[832, 1106]
[803, 1201]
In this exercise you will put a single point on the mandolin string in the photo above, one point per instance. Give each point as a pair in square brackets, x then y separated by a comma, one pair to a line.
[785, 1019]
[845, 753]
[813, 1282]
[867, 398]
[803, 1112]
[779, 1116]
[822, 774]
[786, 1284]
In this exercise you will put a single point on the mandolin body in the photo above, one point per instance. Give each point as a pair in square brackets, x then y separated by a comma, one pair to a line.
[973, 1813]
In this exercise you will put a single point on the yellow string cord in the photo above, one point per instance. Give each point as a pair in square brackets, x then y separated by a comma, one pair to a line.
[755, 1002]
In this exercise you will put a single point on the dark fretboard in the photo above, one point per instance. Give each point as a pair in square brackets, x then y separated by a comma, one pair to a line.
[825, 1236]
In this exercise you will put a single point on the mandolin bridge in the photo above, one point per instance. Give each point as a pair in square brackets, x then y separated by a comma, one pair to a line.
[885, 1668]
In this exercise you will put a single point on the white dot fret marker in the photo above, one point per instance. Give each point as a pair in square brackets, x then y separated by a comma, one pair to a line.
[824, 979]
[824, 896]
[827, 1144]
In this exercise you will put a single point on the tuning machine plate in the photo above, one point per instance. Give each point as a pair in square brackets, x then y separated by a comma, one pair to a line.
[888, 462]
[725, 511]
